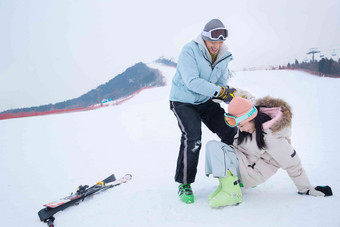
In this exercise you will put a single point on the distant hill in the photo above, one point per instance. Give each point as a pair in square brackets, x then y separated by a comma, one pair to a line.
[131, 80]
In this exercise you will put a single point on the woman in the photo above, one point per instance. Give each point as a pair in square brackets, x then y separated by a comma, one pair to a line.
[201, 75]
[260, 148]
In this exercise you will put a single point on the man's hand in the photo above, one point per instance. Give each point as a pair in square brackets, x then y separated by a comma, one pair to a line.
[226, 94]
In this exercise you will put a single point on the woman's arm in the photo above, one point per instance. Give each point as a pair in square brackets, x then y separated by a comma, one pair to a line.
[285, 155]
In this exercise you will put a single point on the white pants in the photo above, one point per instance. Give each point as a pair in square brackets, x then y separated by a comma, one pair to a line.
[219, 158]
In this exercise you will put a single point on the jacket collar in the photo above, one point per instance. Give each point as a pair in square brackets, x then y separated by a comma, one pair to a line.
[222, 53]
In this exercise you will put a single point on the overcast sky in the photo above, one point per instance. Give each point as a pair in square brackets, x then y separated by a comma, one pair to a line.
[54, 50]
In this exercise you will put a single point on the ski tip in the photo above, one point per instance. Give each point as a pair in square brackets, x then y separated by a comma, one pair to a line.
[109, 179]
[126, 178]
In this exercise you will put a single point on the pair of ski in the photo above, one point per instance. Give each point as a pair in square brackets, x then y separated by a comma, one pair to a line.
[83, 191]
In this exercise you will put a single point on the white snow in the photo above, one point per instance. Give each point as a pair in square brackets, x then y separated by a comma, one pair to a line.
[45, 158]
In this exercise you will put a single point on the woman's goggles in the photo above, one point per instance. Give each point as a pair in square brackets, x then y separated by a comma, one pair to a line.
[216, 34]
[233, 121]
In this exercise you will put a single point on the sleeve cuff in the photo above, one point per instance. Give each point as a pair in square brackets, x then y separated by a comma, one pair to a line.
[217, 91]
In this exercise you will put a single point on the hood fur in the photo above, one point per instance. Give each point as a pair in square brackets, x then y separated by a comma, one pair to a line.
[286, 120]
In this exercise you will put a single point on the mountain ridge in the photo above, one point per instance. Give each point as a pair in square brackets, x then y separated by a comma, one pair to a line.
[133, 79]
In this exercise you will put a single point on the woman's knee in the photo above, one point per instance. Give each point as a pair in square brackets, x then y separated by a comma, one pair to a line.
[213, 147]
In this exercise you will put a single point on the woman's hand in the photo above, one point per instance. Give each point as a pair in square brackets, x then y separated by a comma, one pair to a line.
[319, 191]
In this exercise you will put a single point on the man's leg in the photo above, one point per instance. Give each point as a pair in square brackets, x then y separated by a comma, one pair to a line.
[212, 115]
[189, 123]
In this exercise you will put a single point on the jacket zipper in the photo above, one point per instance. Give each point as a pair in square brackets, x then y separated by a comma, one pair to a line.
[216, 62]
[221, 60]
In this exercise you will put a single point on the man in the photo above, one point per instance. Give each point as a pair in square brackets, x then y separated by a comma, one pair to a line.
[202, 75]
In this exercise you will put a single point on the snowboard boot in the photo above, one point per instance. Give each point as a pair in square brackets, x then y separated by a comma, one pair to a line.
[185, 193]
[230, 192]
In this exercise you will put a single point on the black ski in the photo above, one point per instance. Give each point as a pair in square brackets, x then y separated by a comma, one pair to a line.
[83, 191]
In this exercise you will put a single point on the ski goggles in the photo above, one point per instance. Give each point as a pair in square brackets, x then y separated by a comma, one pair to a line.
[233, 121]
[216, 34]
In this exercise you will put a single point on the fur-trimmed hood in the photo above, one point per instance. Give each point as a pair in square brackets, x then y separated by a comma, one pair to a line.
[280, 121]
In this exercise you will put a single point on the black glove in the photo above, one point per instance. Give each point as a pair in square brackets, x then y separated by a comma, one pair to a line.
[226, 95]
[319, 191]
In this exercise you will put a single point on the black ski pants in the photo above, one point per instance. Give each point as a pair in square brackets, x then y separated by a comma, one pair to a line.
[189, 119]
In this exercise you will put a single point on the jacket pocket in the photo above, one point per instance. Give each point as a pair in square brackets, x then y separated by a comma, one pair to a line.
[267, 170]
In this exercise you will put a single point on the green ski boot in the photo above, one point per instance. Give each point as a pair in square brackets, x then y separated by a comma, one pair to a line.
[185, 193]
[212, 195]
[230, 192]
[218, 189]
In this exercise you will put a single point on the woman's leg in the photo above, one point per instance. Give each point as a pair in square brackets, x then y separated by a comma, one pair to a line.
[222, 162]
[220, 158]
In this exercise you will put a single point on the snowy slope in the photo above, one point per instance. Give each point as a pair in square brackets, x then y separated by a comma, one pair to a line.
[45, 158]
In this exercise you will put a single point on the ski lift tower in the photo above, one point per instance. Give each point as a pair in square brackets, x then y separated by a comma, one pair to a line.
[313, 51]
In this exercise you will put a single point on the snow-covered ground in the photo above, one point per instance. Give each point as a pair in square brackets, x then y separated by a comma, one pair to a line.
[45, 158]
